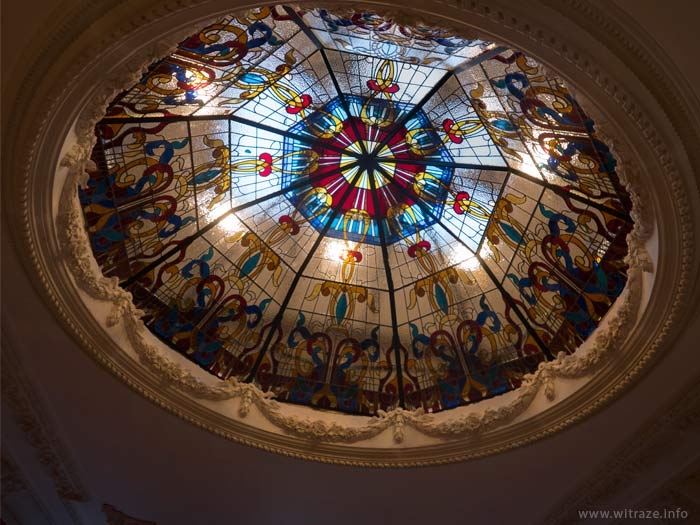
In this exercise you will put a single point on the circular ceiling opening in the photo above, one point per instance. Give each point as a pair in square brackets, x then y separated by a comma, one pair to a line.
[357, 215]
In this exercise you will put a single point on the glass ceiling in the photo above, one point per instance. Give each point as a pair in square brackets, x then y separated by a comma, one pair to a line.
[355, 214]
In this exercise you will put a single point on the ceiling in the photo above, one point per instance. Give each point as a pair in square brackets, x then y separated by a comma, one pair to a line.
[81, 437]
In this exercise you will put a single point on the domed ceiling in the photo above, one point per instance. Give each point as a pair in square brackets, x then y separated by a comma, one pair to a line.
[355, 214]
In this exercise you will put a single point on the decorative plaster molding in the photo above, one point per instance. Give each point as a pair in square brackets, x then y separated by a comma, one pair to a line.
[76, 250]
[11, 476]
[616, 30]
[18, 497]
[33, 419]
[168, 372]
[117, 517]
[635, 456]
[680, 494]
[89, 278]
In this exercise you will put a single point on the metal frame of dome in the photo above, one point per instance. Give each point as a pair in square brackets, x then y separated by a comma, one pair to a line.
[301, 126]
[101, 315]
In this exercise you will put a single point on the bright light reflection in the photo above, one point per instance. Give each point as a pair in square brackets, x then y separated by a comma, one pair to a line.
[335, 249]
[485, 252]
[229, 224]
[531, 164]
[471, 263]
[467, 260]
[214, 213]
[464, 257]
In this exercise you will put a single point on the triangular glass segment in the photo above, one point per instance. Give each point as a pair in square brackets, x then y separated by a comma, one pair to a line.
[372, 35]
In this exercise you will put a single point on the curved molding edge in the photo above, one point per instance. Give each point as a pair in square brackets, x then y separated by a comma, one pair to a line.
[87, 275]
[638, 454]
[76, 250]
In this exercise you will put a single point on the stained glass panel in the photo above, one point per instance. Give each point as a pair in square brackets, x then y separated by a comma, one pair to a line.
[355, 214]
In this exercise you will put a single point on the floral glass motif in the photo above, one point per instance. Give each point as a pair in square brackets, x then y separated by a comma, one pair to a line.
[355, 214]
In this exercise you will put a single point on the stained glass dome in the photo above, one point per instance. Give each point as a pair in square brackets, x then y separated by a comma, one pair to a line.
[355, 214]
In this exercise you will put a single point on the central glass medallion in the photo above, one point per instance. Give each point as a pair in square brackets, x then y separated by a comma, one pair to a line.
[366, 169]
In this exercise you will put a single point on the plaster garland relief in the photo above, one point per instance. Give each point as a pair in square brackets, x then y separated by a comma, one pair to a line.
[79, 258]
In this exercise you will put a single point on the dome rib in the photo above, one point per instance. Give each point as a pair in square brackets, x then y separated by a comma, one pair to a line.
[474, 203]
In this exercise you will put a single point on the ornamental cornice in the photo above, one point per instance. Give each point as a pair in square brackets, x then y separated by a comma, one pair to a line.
[634, 457]
[146, 367]
[12, 479]
[34, 421]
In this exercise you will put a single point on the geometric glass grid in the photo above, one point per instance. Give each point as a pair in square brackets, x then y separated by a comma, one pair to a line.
[355, 214]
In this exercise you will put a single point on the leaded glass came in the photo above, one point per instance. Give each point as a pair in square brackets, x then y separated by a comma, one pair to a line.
[355, 214]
